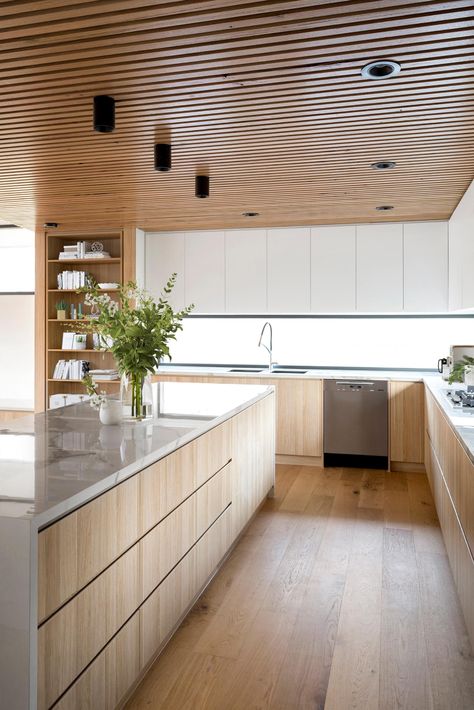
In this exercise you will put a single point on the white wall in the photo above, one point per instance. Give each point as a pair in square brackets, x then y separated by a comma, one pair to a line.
[17, 320]
[461, 253]
[405, 342]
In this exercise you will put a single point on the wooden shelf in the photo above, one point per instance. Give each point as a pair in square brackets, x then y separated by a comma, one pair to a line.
[112, 260]
[71, 350]
[77, 290]
[70, 320]
[102, 382]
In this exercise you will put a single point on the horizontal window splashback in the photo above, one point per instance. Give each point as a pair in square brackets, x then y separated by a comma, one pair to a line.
[325, 341]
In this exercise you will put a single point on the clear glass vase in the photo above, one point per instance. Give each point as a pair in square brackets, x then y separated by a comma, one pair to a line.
[136, 396]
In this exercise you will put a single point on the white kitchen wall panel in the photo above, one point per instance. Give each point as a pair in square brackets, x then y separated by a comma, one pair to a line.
[425, 266]
[204, 254]
[246, 270]
[379, 268]
[461, 253]
[288, 270]
[333, 269]
[164, 255]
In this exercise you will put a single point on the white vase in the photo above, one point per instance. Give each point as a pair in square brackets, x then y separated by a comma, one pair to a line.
[110, 412]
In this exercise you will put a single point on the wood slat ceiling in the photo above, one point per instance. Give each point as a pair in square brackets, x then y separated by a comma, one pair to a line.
[265, 97]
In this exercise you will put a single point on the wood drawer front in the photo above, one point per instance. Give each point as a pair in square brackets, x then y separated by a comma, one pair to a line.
[103, 685]
[165, 484]
[164, 609]
[78, 547]
[163, 547]
[458, 470]
[459, 554]
[71, 638]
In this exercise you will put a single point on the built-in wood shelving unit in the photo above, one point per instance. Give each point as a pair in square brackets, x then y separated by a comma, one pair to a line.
[107, 270]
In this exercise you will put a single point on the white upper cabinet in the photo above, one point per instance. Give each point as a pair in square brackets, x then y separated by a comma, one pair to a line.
[333, 269]
[289, 270]
[164, 255]
[246, 271]
[379, 268]
[425, 256]
[205, 271]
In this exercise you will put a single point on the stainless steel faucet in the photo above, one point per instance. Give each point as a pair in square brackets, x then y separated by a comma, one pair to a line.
[268, 348]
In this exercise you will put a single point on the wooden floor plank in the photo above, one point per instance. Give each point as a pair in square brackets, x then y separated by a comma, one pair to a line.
[338, 596]
[404, 678]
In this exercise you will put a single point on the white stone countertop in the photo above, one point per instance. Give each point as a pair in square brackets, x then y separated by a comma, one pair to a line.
[309, 373]
[54, 462]
[461, 420]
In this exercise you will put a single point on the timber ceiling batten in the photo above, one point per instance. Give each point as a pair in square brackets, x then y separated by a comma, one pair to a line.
[267, 97]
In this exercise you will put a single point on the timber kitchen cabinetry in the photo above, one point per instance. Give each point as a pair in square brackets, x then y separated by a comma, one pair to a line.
[299, 409]
[451, 475]
[406, 424]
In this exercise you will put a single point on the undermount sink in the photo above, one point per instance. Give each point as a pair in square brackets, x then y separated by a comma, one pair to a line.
[245, 369]
[284, 371]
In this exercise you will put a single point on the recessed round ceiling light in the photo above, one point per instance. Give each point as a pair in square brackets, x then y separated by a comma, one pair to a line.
[383, 165]
[381, 69]
[384, 208]
[250, 214]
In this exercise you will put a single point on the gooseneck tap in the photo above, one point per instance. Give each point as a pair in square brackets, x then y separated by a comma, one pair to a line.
[269, 347]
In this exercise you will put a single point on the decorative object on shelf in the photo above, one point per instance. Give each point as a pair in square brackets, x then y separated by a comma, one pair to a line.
[97, 247]
[460, 369]
[61, 307]
[140, 329]
[108, 285]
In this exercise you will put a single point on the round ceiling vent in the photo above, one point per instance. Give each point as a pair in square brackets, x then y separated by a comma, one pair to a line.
[382, 69]
[384, 208]
[250, 214]
[383, 165]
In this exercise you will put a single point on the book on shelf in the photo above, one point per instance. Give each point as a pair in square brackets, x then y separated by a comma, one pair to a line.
[74, 341]
[104, 375]
[81, 250]
[71, 280]
[70, 369]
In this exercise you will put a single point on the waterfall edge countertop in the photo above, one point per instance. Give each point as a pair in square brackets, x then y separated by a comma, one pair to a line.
[54, 462]
[461, 421]
[309, 372]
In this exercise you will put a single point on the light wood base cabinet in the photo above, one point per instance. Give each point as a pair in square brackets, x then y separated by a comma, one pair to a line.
[299, 409]
[406, 423]
[451, 476]
[117, 575]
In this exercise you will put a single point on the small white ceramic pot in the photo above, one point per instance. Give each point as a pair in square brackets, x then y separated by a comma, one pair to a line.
[110, 412]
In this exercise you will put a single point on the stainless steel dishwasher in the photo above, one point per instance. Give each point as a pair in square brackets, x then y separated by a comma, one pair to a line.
[356, 423]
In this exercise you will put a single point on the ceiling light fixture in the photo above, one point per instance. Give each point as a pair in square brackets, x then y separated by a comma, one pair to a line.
[383, 165]
[202, 186]
[104, 114]
[384, 208]
[381, 69]
[250, 214]
[162, 157]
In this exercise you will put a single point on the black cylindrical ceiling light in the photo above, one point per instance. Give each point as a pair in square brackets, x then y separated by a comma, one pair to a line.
[162, 157]
[104, 114]
[202, 185]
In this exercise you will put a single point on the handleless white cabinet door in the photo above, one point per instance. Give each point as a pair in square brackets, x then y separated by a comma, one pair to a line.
[205, 271]
[246, 270]
[288, 270]
[164, 255]
[425, 256]
[333, 269]
[379, 267]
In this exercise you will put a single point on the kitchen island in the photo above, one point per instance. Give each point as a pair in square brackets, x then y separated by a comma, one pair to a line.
[109, 534]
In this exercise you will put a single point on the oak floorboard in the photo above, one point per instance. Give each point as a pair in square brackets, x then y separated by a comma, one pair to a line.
[329, 601]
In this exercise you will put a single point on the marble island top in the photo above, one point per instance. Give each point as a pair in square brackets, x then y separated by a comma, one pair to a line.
[52, 463]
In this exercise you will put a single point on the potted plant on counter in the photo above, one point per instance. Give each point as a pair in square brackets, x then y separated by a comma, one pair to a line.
[138, 329]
